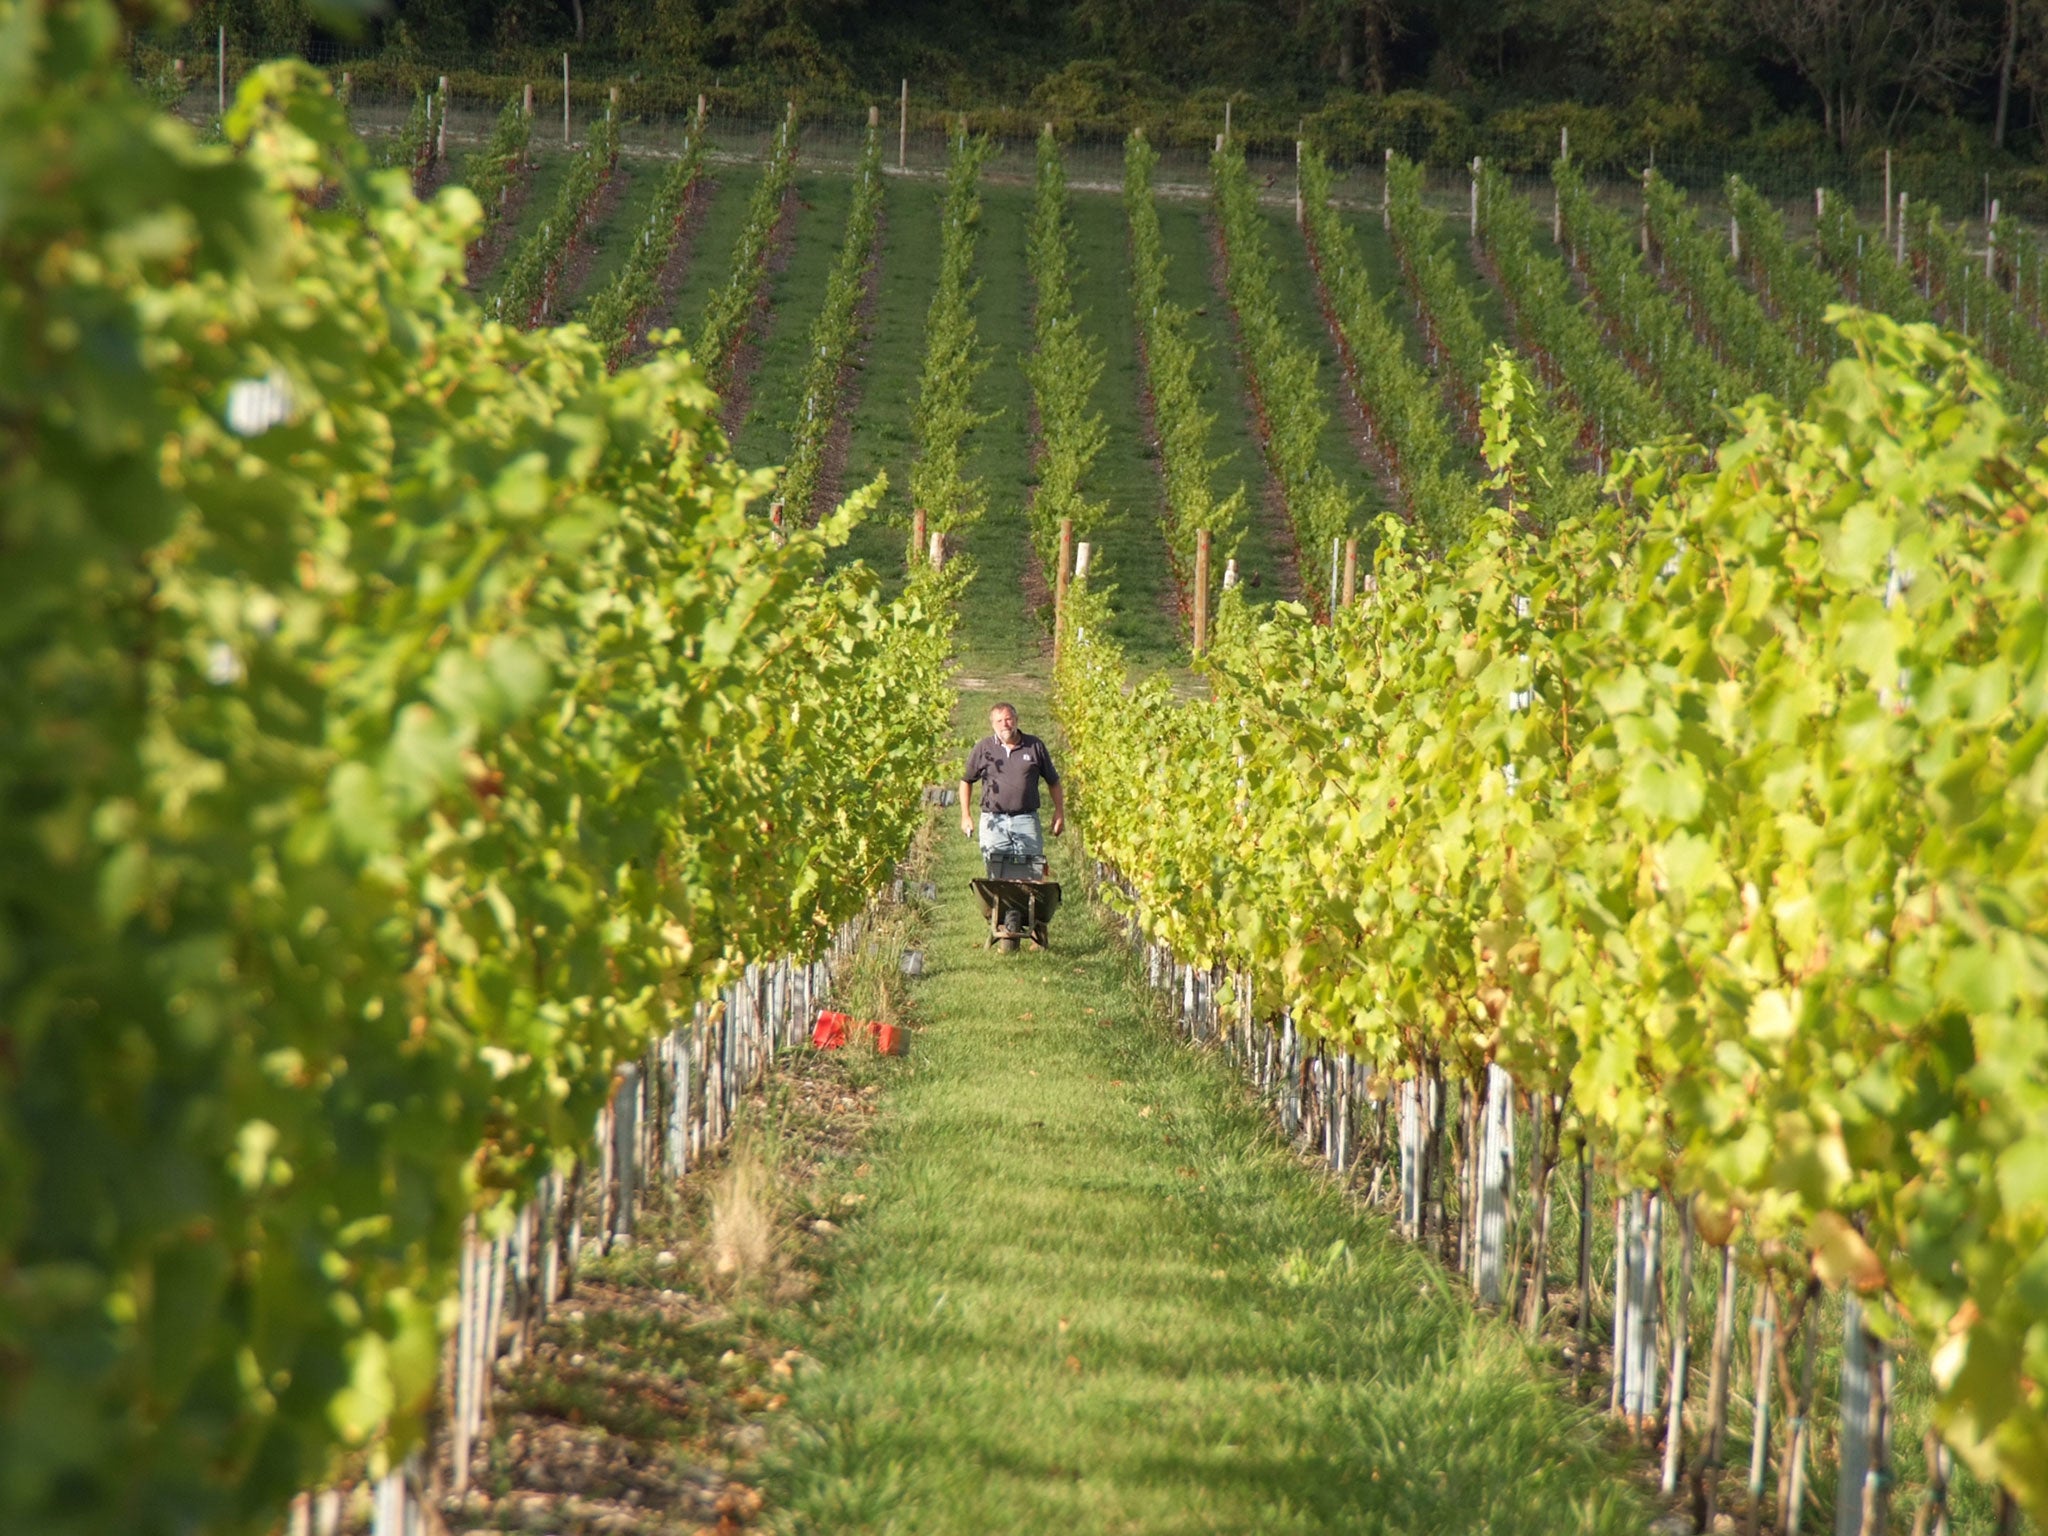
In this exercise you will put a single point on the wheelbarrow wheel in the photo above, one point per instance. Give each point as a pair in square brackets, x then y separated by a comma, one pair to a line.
[1006, 944]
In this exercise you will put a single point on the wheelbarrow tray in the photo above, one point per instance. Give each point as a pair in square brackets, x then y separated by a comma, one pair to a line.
[1034, 902]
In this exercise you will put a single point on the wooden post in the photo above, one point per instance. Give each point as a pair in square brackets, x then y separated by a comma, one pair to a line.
[1820, 203]
[1475, 196]
[903, 126]
[611, 109]
[1350, 571]
[1887, 194]
[1707, 1474]
[1201, 591]
[1765, 1326]
[565, 100]
[874, 118]
[1734, 241]
[703, 110]
[1496, 1168]
[1059, 583]
[221, 68]
[1853, 1460]
[938, 549]
[1901, 256]
[441, 132]
[1226, 122]
[526, 100]
[1080, 560]
[1681, 1355]
[1646, 212]
[1991, 245]
[1387, 191]
[917, 529]
[1334, 547]
[1299, 216]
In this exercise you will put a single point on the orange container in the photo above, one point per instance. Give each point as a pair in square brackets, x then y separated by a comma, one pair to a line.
[830, 1032]
[890, 1040]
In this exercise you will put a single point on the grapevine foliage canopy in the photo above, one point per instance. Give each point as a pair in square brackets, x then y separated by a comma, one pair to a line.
[401, 719]
[1721, 810]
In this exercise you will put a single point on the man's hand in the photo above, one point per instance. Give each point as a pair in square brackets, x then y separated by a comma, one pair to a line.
[966, 824]
[1059, 822]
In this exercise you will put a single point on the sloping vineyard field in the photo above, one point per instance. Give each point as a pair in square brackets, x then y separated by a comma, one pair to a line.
[1642, 875]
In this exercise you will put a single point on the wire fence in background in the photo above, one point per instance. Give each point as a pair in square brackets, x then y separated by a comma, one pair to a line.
[655, 110]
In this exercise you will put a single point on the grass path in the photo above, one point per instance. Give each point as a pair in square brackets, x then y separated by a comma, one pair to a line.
[1294, 283]
[1191, 256]
[881, 440]
[796, 294]
[1091, 1292]
[1130, 536]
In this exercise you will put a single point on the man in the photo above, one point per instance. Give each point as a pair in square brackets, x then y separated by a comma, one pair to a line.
[1009, 765]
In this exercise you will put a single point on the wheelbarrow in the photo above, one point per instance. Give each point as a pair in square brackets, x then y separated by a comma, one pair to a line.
[1016, 909]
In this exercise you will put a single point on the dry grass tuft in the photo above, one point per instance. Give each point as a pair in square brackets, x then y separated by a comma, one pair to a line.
[743, 1244]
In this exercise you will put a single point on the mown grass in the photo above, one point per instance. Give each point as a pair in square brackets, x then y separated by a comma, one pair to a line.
[887, 387]
[1301, 305]
[544, 180]
[795, 295]
[1184, 232]
[637, 181]
[1129, 540]
[723, 216]
[1006, 630]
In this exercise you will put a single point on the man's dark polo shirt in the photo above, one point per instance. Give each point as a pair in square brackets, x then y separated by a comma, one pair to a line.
[1010, 778]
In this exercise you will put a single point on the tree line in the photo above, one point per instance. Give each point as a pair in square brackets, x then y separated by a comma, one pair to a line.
[1960, 75]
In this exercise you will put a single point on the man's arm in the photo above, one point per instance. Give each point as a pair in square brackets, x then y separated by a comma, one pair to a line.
[966, 815]
[1059, 808]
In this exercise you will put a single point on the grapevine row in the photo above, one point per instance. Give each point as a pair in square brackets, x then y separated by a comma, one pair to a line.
[410, 148]
[1287, 391]
[1862, 262]
[1547, 309]
[1718, 815]
[940, 485]
[1783, 276]
[2019, 263]
[1173, 369]
[1974, 304]
[527, 293]
[1698, 265]
[1065, 366]
[491, 171]
[614, 313]
[730, 309]
[405, 723]
[1551, 428]
[1654, 329]
[1402, 403]
[835, 332]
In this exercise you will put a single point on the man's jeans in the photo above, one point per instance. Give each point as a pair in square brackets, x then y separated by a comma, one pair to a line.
[1012, 846]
